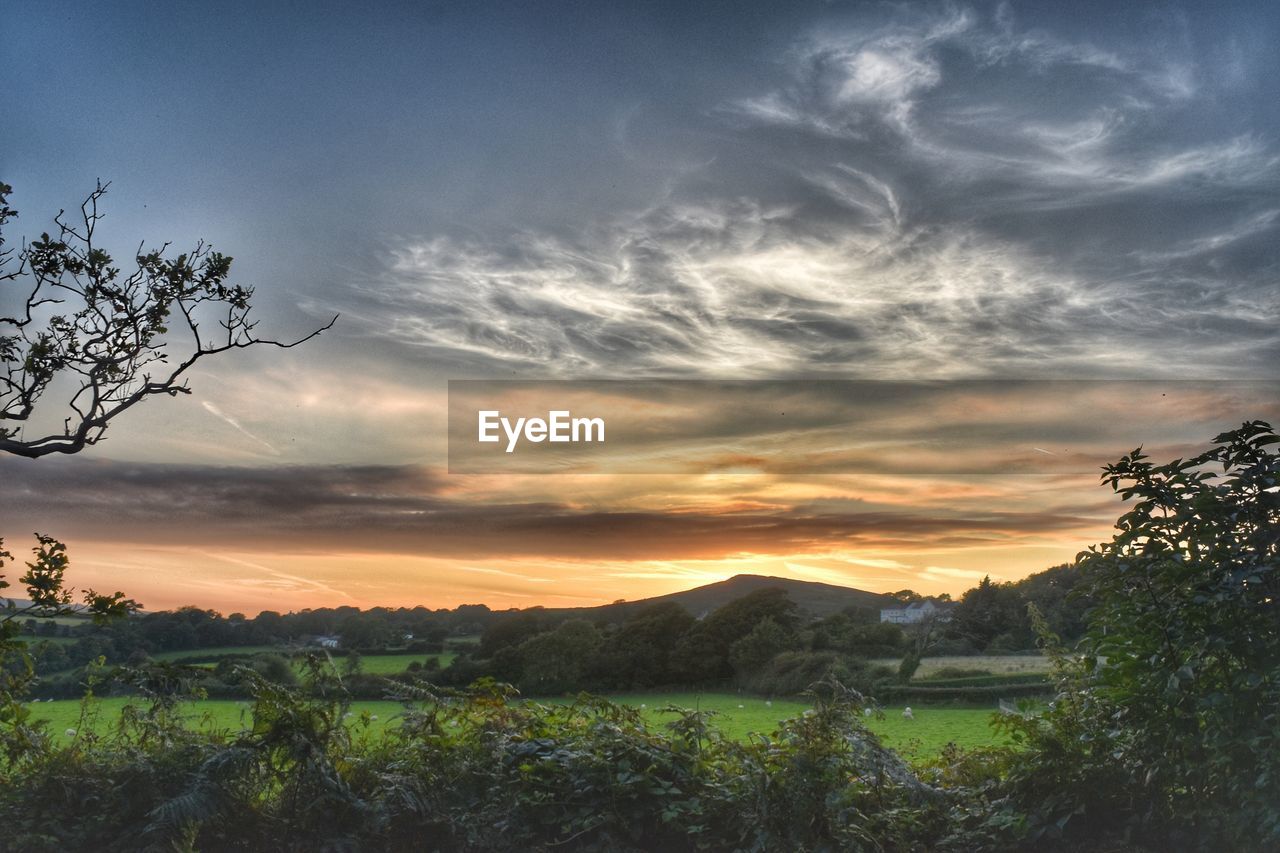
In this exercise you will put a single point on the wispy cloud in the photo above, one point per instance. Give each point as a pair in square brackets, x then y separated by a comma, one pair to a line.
[953, 194]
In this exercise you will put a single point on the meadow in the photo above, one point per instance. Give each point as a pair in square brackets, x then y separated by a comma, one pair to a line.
[736, 717]
[391, 664]
[995, 664]
[212, 653]
[395, 664]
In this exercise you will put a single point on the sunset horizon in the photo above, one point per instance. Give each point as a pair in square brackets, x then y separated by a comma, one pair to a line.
[976, 198]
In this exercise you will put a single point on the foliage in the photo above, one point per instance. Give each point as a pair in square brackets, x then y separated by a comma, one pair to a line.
[1167, 729]
[765, 641]
[987, 611]
[639, 654]
[702, 655]
[48, 597]
[992, 617]
[554, 662]
[471, 770]
[856, 633]
[790, 673]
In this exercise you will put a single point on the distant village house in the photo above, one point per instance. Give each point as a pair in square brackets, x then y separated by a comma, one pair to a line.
[916, 612]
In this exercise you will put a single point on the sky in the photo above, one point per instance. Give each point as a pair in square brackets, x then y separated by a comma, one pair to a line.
[632, 191]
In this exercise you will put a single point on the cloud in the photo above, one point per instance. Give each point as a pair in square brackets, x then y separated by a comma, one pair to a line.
[923, 193]
[942, 572]
[392, 510]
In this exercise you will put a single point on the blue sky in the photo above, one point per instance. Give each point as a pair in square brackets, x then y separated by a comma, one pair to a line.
[615, 190]
[1100, 171]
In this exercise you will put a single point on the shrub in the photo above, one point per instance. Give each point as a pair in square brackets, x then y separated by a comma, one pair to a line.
[1167, 731]
[474, 770]
[792, 673]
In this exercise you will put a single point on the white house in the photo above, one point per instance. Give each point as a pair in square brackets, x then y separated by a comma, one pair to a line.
[914, 613]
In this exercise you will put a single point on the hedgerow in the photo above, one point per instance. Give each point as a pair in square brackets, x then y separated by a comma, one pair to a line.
[473, 770]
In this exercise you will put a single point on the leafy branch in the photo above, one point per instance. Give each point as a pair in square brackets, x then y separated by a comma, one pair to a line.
[111, 337]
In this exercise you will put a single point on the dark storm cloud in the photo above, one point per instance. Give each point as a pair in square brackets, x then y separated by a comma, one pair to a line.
[937, 190]
[403, 510]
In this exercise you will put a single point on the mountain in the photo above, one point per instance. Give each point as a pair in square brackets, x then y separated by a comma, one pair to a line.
[24, 603]
[815, 599]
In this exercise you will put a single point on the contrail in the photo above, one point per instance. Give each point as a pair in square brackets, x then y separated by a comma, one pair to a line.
[218, 413]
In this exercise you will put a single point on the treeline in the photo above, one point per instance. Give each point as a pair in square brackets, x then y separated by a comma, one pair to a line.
[417, 630]
[992, 618]
[760, 642]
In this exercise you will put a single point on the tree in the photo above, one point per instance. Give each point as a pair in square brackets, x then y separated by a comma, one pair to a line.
[638, 655]
[366, 631]
[104, 335]
[986, 611]
[555, 661]
[512, 630]
[703, 652]
[920, 637]
[48, 597]
[766, 641]
[1169, 728]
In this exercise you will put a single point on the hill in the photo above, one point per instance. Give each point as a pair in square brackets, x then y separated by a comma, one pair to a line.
[813, 599]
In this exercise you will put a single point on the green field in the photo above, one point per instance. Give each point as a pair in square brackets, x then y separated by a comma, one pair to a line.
[213, 652]
[64, 715]
[463, 640]
[57, 620]
[395, 664]
[388, 664]
[57, 641]
[995, 664]
[736, 717]
[373, 664]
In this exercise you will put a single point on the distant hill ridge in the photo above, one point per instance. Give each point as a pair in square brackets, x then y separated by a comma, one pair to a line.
[814, 599]
[817, 599]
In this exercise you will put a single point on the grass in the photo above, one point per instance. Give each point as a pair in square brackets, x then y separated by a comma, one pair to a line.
[395, 664]
[736, 717]
[463, 640]
[996, 664]
[56, 620]
[373, 664]
[55, 641]
[207, 714]
[211, 652]
[392, 664]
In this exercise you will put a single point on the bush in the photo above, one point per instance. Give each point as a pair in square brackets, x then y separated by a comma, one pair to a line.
[792, 673]
[1167, 731]
[475, 771]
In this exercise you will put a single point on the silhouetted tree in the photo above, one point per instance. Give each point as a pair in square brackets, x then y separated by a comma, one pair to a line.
[106, 335]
